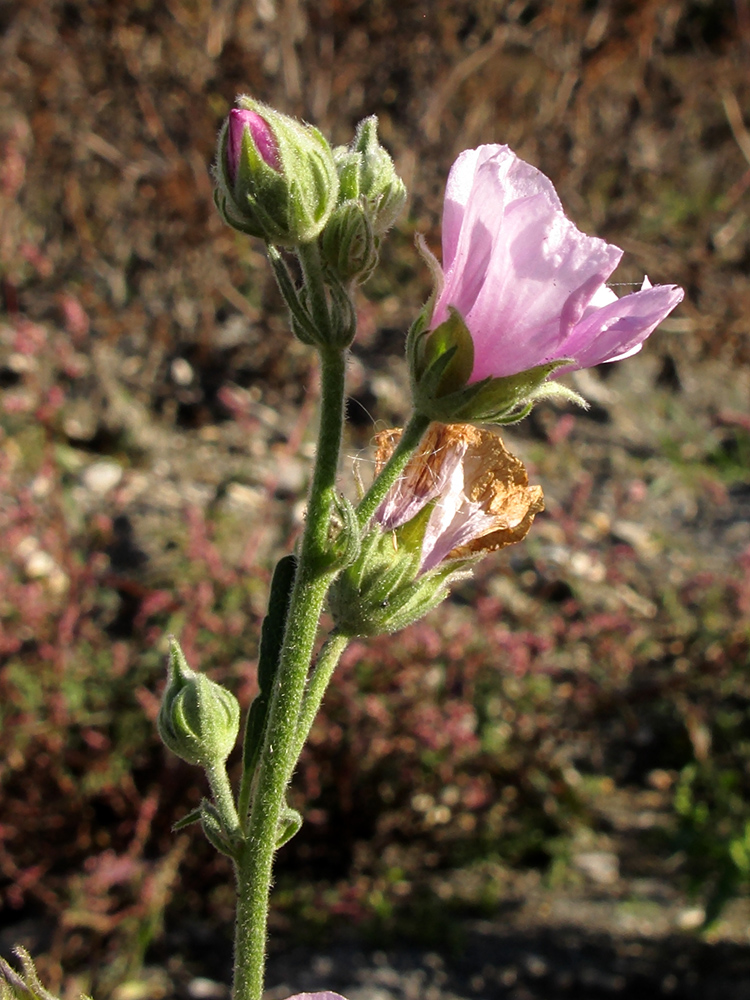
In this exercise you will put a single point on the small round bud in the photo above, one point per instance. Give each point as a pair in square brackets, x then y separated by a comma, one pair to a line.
[276, 177]
[198, 719]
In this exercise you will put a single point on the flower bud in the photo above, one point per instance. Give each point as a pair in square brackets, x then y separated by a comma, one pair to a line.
[276, 177]
[198, 719]
[366, 172]
[348, 243]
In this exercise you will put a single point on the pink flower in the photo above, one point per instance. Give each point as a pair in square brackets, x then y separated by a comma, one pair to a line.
[481, 493]
[326, 995]
[263, 137]
[528, 284]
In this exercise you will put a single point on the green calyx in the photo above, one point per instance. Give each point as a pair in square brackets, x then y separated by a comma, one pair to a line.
[440, 365]
[384, 591]
[198, 719]
[442, 359]
[285, 207]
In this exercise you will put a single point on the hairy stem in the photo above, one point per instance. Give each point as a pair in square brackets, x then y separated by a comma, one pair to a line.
[312, 271]
[223, 797]
[322, 672]
[277, 757]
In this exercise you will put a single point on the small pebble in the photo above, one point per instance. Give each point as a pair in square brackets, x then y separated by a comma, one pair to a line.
[602, 867]
[40, 564]
[181, 371]
[201, 988]
[101, 477]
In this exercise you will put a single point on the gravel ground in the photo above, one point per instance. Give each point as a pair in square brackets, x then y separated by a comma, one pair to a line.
[548, 948]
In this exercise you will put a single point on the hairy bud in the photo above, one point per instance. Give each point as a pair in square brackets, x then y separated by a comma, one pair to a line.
[198, 719]
[276, 176]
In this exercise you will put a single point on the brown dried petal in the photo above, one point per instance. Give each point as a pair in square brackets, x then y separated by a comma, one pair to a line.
[493, 477]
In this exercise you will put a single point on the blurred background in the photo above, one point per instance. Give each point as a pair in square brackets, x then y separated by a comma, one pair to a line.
[541, 789]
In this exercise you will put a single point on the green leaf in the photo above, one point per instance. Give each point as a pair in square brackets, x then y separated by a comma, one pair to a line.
[290, 822]
[271, 638]
[194, 816]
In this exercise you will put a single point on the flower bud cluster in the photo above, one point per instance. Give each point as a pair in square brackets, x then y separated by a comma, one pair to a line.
[278, 179]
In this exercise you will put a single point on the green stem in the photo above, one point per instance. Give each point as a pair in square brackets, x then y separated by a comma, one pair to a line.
[276, 760]
[328, 658]
[223, 797]
[312, 272]
[304, 329]
[410, 438]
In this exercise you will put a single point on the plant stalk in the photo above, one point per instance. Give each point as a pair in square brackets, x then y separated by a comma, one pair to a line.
[322, 672]
[218, 780]
[280, 750]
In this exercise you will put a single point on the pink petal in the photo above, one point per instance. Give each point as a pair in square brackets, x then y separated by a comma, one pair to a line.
[444, 513]
[411, 493]
[602, 297]
[619, 329]
[468, 522]
[325, 995]
[263, 137]
[458, 192]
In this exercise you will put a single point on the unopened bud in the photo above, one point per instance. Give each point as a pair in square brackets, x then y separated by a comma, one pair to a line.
[198, 719]
[366, 172]
[276, 177]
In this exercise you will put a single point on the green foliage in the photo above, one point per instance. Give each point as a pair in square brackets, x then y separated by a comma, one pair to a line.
[272, 634]
[712, 800]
